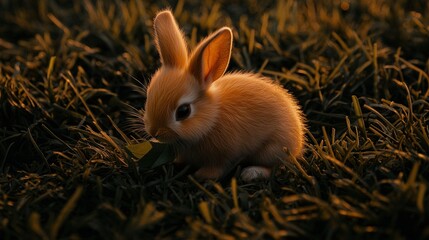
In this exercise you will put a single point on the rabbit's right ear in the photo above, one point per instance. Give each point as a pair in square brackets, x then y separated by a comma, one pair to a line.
[169, 40]
[211, 57]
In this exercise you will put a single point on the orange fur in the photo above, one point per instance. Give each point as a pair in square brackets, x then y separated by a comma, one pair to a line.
[173, 46]
[237, 117]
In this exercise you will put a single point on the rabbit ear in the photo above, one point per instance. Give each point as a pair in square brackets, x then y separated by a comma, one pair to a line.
[211, 58]
[169, 40]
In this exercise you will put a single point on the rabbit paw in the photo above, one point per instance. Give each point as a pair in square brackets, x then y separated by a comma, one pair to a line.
[254, 173]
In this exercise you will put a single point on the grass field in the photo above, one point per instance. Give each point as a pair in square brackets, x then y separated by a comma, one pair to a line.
[68, 77]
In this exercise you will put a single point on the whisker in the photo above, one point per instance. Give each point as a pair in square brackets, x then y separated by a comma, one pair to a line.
[139, 86]
[134, 122]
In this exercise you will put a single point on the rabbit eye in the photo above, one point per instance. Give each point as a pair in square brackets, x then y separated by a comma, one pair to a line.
[183, 111]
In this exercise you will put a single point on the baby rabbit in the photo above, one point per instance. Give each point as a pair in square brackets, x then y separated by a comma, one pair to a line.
[217, 120]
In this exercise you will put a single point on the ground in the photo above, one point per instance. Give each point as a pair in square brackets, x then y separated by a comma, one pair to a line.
[70, 81]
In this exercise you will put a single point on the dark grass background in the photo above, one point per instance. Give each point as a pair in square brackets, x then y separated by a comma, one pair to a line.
[358, 68]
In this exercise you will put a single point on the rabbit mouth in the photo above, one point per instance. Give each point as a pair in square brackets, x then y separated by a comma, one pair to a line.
[165, 135]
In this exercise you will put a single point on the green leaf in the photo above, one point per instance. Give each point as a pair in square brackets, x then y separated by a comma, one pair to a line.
[151, 154]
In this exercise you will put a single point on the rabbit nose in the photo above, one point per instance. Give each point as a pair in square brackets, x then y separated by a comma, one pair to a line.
[161, 134]
[153, 132]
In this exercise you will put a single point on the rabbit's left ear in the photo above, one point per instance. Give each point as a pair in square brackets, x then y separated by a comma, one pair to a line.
[211, 57]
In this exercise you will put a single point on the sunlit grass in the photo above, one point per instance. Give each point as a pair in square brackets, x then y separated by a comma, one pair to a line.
[360, 69]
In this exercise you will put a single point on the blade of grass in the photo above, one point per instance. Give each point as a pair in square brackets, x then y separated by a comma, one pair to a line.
[234, 192]
[65, 212]
[209, 194]
[205, 212]
[49, 79]
[413, 176]
[38, 150]
[376, 77]
[359, 115]
[36, 227]
[421, 197]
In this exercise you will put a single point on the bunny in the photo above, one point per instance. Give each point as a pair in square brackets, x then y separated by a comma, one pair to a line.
[214, 120]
